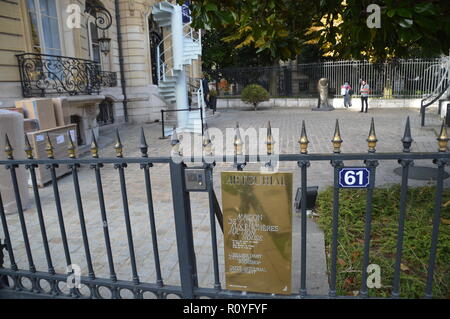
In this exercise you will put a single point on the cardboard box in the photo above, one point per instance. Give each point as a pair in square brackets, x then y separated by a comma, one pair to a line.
[15, 109]
[59, 139]
[60, 107]
[30, 125]
[41, 110]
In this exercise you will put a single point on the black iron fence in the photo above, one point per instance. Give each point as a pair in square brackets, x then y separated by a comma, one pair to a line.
[43, 75]
[11, 277]
[415, 78]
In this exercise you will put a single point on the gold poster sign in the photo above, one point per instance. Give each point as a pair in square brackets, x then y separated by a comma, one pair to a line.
[257, 214]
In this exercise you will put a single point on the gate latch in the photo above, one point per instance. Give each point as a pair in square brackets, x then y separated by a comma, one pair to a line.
[195, 179]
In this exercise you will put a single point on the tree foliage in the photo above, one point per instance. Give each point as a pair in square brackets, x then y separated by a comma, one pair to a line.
[281, 29]
[271, 27]
[408, 28]
[218, 54]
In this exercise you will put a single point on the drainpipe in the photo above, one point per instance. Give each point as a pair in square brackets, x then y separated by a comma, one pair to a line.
[123, 82]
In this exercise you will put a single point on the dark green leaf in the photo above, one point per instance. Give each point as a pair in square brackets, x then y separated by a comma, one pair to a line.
[404, 12]
[211, 7]
[406, 23]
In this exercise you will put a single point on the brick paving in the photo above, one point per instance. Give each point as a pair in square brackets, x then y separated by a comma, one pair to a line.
[320, 128]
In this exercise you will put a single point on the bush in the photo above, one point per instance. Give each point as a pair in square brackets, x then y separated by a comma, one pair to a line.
[254, 94]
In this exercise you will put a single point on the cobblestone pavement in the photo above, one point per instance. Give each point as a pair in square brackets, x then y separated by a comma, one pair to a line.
[320, 128]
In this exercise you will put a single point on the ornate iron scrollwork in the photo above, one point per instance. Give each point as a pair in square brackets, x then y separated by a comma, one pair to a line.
[49, 74]
[103, 18]
[108, 79]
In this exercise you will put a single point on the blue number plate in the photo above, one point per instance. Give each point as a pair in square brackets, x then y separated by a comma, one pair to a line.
[354, 177]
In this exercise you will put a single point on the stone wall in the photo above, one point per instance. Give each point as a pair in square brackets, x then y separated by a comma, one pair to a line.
[312, 103]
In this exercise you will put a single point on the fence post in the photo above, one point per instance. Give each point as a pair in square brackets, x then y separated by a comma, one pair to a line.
[183, 228]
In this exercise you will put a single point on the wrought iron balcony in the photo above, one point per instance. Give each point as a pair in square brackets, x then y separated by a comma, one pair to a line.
[108, 79]
[43, 75]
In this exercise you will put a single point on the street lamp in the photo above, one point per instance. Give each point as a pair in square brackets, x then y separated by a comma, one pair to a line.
[105, 44]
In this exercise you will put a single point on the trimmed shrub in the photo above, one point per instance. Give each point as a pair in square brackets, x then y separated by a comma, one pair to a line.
[254, 94]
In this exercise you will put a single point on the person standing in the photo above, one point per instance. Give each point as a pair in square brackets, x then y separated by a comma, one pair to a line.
[205, 86]
[346, 92]
[365, 91]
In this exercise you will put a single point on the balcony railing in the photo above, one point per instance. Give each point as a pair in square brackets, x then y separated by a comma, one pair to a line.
[43, 75]
[108, 79]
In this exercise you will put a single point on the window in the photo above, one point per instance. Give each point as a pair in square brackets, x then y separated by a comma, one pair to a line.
[94, 44]
[44, 26]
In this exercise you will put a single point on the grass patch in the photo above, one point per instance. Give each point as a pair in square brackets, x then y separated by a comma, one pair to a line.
[416, 246]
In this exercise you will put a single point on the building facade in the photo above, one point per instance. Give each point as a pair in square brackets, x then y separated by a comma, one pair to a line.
[59, 48]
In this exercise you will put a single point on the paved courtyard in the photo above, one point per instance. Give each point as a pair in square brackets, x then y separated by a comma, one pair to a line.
[320, 128]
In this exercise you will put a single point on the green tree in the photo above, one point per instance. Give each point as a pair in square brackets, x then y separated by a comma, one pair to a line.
[274, 27]
[408, 28]
[282, 28]
[218, 54]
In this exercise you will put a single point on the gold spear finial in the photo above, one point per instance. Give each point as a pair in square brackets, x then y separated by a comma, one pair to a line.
[8, 148]
[238, 143]
[118, 146]
[337, 139]
[372, 139]
[49, 148]
[28, 148]
[71, 146]
[304, 142]
[443, 138]
[94, 146]
[270, 141]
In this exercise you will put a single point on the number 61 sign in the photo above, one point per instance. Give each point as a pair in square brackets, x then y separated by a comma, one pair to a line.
[354, 177]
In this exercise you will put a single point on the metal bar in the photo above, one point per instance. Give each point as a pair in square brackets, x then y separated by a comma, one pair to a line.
[303, 165]
[436, 224]
[183, 227]
[76, 184]
[218, 211]
[32, 169]
[62, 227]
[163, 133]
[247, 158]
[368, 225]
[12, 169]
[123, 187]
[6, 234]
[101, 198]
[151, 214]
[167, 289]
[401, 228]
[334, 242]
[212, 217]
[201, 117]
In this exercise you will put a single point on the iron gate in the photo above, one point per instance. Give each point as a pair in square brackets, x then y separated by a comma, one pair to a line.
[12, 278]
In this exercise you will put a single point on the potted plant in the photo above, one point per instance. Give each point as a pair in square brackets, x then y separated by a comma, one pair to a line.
[254, 94]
